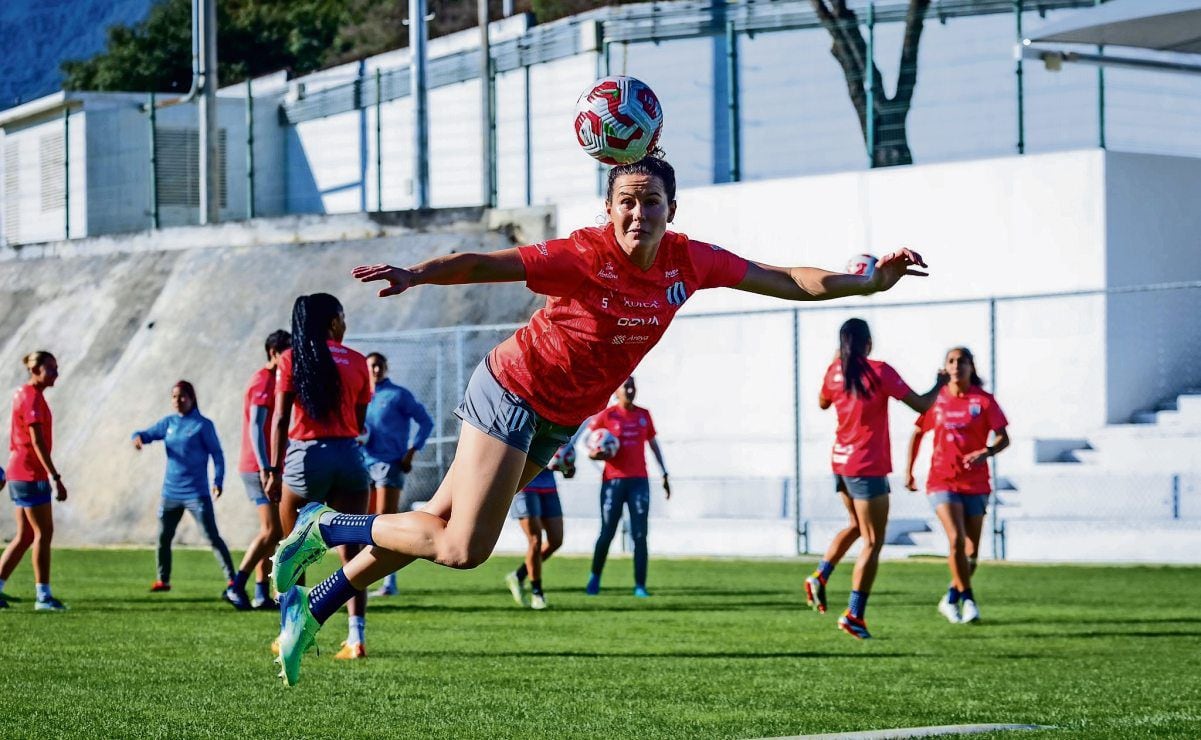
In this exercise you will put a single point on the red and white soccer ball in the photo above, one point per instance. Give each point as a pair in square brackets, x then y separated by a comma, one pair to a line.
[564, 461]
[602, 445]
[862, 264]
[618, 120]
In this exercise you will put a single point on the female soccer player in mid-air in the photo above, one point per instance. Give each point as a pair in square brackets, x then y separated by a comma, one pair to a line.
[30, 470]
[859, 388]
[322, 389]
[961, 418]
[612, 291]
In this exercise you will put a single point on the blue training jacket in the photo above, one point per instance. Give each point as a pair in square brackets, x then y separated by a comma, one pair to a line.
[389, 415]
[190, 441]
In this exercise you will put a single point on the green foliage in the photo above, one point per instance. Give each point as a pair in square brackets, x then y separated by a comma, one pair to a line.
[254, 37]
[721, 649]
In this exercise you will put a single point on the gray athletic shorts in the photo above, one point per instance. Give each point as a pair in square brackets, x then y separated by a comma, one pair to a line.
[498, 413]
[974, 504]
[862, 487]
[314, 468]
[254, 488]
[384, 474]
[28, 494]
[528, 504]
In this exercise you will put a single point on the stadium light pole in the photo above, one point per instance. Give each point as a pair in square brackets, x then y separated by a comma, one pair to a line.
[209, 157]
[488, 151]
[421, 121]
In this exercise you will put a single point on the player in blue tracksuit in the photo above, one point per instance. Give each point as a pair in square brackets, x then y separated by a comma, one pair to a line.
[190, 439]
[387, 448]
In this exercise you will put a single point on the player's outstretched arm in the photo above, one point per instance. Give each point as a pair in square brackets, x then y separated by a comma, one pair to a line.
[815, 284]
[504, 266]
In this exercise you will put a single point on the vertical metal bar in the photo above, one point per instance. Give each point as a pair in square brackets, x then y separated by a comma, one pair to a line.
[796, 427]
[869, 84]
[1100, 94]
[153, 107]
[379, 141]
[1176, 496]
[67, 172]
[732, 103]
[998, 531]
[420, 93]
[1017, 12]
[438, 404]
[488, 145]
[603, 70]
[249, 149]
[209, 156]
[529, 142]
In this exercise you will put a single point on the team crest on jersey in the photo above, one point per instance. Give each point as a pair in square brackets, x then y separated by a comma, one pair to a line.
[974, 409]
[677, 293]
[642, 422]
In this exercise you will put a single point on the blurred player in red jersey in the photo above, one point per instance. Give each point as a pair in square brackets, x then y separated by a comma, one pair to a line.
[258, 406]
[961, 418]
[859, 388]
[611, 292]
[30, 470]
[322, 389]
[625, 483]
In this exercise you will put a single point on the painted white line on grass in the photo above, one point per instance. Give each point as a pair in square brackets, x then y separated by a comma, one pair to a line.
[908, 732]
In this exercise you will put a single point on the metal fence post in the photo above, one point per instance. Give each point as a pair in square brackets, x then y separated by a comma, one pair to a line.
[154, 223]
[249, 150]
[67, 172]
[1017, 12]
[869, 83]
[379, 143]
[796, 430]
[1100, 94]
[998, 529]
[438, 393]
[732, 103]
[529, 141]
[1176, 496]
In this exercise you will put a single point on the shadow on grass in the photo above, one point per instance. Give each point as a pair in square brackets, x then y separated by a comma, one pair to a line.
[658, 655]
[598, 608]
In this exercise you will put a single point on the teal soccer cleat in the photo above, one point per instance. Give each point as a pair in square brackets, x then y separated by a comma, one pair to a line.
[297, 633]
[300, 549]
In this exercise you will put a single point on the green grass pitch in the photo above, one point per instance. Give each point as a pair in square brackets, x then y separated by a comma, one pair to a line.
[723, 648]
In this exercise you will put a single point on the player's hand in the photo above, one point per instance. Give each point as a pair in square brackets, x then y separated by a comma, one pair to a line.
[893, 266]
[567, 469]
[60, 490]
[910, 482]
[975, 459]
[399, 279]
[274, 488]
[216, 492]
[3, 483]
[596, 454]
[666, 488]
[137, 442]
[942, 378]
[406, 463]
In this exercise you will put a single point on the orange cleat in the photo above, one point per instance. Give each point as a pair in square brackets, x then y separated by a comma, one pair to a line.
[351, 652]
[275, 646]
[160, 586]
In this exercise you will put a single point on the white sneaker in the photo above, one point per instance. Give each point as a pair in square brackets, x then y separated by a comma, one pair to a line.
[970, 613]
[516, 589]
[949, 610]
[537, 601]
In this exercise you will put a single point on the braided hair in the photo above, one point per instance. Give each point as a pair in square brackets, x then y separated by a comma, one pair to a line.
[314, 373]
[858, 377]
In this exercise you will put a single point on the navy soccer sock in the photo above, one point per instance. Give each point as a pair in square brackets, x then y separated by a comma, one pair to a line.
[966, 595]
[522, 572]
[346, 529]
[328, 596]
[240, 579]
[952, 595]
[857, 604]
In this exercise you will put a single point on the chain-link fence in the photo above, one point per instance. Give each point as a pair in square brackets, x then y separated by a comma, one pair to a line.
[751, 91]
[1096, 386]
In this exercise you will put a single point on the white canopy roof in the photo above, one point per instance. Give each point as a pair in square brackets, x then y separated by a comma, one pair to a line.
[1169, 29]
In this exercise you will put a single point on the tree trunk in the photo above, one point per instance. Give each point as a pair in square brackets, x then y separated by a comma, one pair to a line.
[850, 49]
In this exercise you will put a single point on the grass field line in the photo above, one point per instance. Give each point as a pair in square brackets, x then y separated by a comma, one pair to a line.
[908, 732]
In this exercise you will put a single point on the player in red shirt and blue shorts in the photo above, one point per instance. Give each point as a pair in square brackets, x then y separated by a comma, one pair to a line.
[258, 406]
[30, 470]
[859, 388]
[962, 418]
[625, 483]
[611, 292]
[322, 389]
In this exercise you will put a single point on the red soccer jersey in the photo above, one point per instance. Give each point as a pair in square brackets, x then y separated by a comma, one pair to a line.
[961, 425]
[356, 391]
[861, 445]
[602, 315]
[29, 407]
[260, 392]
[633, 430]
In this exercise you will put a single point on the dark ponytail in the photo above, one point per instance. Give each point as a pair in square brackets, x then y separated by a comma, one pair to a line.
[318, 385]
[858, 377]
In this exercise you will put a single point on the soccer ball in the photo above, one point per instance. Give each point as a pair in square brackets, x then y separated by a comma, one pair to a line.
[563, 461]
[618, 120]
[862, 264]
[602, 444]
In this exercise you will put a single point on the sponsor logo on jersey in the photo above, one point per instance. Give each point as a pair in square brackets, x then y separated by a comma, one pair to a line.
[609, 272]
[639, 304]
[630, 339]
[677, 293]
[638, 321]
[542, 250]
[671, 274]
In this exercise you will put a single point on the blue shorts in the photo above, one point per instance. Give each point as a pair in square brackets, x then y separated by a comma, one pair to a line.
[542, 505]
[254, 488]
[384, 474]
[28, 494]
[500, 414]
[315, 468]
[862, 488]
[974, 504]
